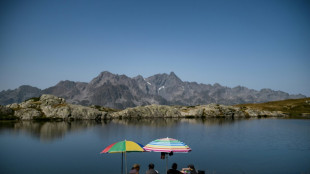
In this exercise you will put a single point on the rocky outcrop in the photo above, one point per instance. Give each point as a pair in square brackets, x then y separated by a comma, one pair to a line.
[51, 107]
[27, 113]
[208, 111]
[148, 112]
[6, 113]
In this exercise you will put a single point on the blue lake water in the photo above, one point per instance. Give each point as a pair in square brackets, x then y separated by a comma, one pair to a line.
[218, 145]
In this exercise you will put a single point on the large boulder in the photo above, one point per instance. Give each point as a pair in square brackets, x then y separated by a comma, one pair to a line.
[13, 106]
[27, 113]
[52, 107]
[6, 113]
[69, 111]
[83, 112]
[148, 111]
[192, 111]
[6, 110]
[50, 100]
[30, 104]
[62, 111]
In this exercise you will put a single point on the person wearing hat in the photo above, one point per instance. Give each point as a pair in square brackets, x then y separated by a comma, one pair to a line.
[135, 169]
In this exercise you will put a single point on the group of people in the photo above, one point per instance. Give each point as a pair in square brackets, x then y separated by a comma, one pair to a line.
[189, 170]
[174, 169]
[136, 167]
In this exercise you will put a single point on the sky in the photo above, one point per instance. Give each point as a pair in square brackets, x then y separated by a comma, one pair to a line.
[253, 43]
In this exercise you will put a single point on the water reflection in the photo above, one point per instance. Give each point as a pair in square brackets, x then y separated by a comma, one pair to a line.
[46, 131]
[164, 122]
[50, 131]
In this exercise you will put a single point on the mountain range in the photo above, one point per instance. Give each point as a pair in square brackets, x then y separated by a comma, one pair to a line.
[121, 91]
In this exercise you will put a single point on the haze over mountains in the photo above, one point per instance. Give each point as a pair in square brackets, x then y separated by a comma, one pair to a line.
[120, 91]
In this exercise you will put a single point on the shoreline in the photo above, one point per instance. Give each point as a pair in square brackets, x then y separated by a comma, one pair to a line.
[49, 107]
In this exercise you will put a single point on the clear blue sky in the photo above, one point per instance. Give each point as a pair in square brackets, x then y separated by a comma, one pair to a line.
[253, 43]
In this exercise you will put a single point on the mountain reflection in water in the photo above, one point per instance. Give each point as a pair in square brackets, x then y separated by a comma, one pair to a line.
[49, 131]
[264, 145]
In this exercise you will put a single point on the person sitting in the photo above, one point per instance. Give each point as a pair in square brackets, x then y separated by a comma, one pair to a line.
[151, 169]
[173, 170]
[135, 169]
[192, 169]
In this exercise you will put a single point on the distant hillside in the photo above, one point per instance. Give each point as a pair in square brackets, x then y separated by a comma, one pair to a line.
[292, 107]
[120, 91]
[19, 95]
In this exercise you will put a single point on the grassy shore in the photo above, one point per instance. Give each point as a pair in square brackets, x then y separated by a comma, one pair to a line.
[292, 107]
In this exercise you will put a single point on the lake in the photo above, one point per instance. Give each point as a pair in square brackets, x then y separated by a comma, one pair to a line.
[218, 145]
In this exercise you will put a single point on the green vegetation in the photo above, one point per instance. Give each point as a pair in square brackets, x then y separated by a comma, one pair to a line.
[292, 107]
[34, 99]
[60, 105]
[104, 109]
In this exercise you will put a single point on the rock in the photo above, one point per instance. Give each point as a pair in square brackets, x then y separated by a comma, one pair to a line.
[148, 111]
[50, 100]
[211, 110]
[305, 115]
[28, 104]
[52, 107]
[63, 111]
[27, 113]
[13, 106]
[5, 111]
[83, 112]
[68, 111]
[197, 111]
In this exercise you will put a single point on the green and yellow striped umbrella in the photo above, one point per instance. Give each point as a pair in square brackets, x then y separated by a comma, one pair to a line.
[124, 147]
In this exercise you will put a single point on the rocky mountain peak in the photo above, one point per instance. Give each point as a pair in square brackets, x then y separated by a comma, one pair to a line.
[102, 78]
[121, 91]
[66, 83]
[160, 80]
[105, 75]
[139, 77]
[173, 76]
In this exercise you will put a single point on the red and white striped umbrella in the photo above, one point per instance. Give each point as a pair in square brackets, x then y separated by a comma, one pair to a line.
[167, 145]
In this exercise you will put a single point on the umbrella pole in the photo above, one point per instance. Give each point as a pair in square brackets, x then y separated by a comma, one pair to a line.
[125, 162]
[167, 163]
[122, 164]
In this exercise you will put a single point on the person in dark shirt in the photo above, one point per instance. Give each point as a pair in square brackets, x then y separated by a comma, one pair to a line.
[173, 170]
[151, 169]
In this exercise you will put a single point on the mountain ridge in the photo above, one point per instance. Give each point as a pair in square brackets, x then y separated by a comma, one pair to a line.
[121, 91]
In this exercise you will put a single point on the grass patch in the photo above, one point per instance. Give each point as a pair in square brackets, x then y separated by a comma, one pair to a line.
[59, 105]
[104, 109]
[35, 99]
[293, 107]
